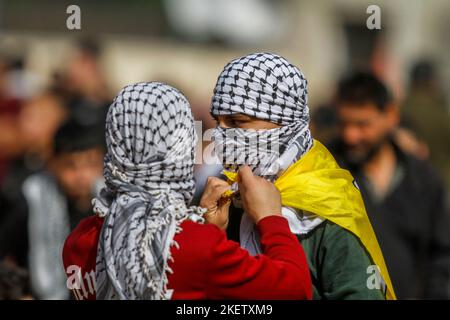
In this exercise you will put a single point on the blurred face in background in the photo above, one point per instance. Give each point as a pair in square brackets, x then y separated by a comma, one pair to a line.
[85, 77]
[10, 144]
[364, 128]
[77, 172]
[38, 122]
[10, 135]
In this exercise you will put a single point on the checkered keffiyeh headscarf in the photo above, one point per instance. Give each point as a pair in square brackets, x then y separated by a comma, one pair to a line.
[267, 87]
[148, 170]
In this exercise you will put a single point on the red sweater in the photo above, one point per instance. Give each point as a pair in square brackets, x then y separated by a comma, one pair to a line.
[207, 265]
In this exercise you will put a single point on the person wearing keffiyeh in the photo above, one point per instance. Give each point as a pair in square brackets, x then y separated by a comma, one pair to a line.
[260, 103]
[146, 242]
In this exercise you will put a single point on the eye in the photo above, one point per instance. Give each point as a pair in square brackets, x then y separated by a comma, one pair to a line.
[238, 122]
[215, 120]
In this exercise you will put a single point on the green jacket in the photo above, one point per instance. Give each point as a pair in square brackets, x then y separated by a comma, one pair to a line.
[339, 265]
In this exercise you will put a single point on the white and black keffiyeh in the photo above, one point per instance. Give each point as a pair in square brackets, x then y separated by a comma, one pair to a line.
[148, 170]
[267, 87]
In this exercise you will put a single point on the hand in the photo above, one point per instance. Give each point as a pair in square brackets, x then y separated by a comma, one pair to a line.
[260, 197]
[217, 208]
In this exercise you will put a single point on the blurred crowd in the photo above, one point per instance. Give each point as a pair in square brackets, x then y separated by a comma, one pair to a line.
[398, 154]
[51, 162]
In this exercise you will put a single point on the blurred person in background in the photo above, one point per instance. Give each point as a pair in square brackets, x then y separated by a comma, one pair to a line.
[84, 87]
[84, 75]
[324, 123]
[10, 146]
[14, 283]
[36, 124]
[404, 197]
[17, 86]
[425, 112]
[39, 120]
[52, 203]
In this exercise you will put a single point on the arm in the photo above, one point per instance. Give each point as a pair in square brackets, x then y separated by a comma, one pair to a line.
[79, 257]
[14, 234]
[345, 269]
[437, 282]
[281, 272]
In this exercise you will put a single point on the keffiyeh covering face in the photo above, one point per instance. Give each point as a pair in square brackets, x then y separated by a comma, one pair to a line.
[265, 86]
[148, 170]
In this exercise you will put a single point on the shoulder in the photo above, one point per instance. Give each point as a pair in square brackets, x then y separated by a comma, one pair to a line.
[197, 230]
[301, 222]
[86, 228]
[422, 169]
[80, 246]
[37, 180]
[337, 236]
[329, 239]
[341, 249]
[198, 237]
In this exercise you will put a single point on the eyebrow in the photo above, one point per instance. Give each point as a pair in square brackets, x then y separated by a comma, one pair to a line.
[233, 116]
[240, 116]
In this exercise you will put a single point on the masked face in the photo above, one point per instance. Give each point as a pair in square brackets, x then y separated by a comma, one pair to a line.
[266, 93]
[258, 148]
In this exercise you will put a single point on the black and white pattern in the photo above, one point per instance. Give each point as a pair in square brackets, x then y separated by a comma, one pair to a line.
[148, 170]
[268, 87]
[262, 85]
[257, 148]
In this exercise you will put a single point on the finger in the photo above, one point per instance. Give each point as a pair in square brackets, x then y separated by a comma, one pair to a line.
[214, 181]
[213, 194]
[262, 180]
[211, 184]
[245, 174]
[224, 202]
[218, 190]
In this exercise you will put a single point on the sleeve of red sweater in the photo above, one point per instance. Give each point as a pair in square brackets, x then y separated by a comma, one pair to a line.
[281, 272]
[79, 257]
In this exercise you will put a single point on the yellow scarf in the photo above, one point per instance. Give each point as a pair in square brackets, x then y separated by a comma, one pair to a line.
[317, 184]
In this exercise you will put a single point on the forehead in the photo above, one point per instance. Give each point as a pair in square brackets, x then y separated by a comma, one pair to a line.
[360, 110]
[93, 152]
